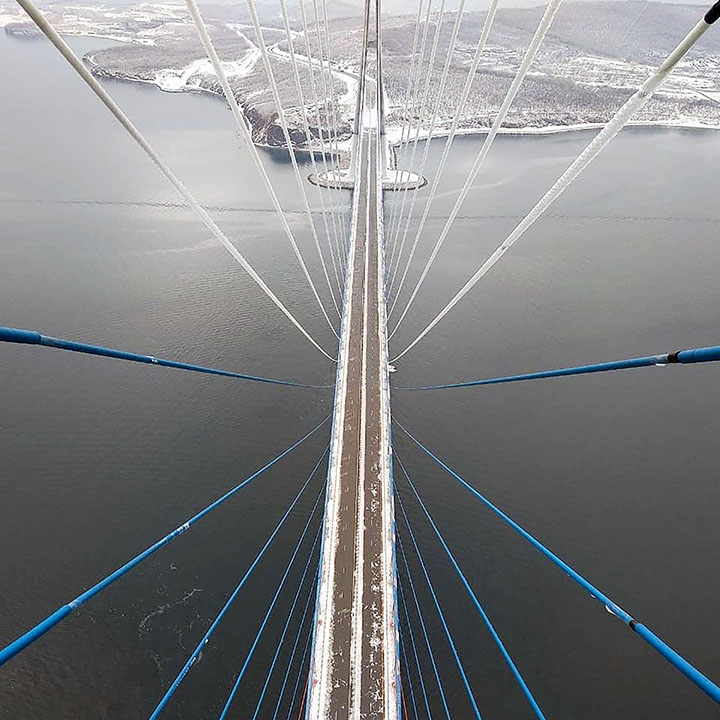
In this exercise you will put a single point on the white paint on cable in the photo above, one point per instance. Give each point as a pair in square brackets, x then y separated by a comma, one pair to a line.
[593, 149]
[49, 31]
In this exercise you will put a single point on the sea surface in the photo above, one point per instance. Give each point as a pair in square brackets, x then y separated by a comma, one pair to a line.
[618, 473]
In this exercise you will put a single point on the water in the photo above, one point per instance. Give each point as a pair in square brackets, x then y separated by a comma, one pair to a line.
[616, 472]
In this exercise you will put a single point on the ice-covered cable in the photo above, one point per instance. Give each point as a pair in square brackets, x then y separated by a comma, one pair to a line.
[426, 150]
[457, 116]
[77, 64]
[594, 148]
[405, 122]
[333, 99]
[395, 232]
[329, 100]
[306, 128]
[335, 201]
[535, 43]
[415, 83]
[288, 141]
[242, 127]
[418, 127]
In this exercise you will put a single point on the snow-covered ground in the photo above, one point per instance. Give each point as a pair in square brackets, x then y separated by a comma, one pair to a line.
[569, 87]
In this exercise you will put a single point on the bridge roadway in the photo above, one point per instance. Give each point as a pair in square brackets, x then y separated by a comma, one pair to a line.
[354, 672]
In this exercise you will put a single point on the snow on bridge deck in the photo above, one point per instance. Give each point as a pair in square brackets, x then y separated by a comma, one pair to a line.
[354, 670]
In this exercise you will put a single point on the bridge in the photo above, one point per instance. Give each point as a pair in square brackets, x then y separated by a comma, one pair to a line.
[354, 671]
[356, 664]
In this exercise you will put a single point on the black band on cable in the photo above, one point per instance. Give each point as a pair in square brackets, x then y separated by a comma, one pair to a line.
[673, 357]
[713, 13]
[632, 624]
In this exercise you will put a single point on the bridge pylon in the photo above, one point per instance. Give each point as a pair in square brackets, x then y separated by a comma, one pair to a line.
[370, 111]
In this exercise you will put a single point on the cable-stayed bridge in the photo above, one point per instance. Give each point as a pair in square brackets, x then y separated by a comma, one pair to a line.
[357, 661]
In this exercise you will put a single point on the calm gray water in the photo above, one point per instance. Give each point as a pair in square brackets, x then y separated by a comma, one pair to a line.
[618, 473]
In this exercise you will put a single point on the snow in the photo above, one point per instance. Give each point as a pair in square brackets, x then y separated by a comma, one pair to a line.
[176, 80]
[7, 18]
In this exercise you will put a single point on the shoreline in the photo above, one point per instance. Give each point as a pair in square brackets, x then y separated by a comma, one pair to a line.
[394, 131]
[553, 130]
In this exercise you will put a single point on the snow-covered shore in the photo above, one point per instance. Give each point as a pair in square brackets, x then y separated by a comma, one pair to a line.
[568, 84]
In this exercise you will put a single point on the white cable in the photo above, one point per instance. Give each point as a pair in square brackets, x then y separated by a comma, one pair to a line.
[414, 106]
[306, 128]
[408, 92]
[405, 122]
[77, 64]
[286, 133]
[593, 149]
[330, 101]
[542, 29]
[423, 104]
[334, 192]
[446, 152]
[242, 127]
[426, 148]
[334, 103]
[334, 158]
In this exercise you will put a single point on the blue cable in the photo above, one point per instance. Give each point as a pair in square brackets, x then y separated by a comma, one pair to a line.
[413, 645]
[299, 675]
[424, 629]
[305, 615]
[676, 660]
[30, 337]
[481, 610]
[406, 663]
[287, 625]
[203, 641]
[458, 662]
[271, 607]
[682, 357]
[61, 613]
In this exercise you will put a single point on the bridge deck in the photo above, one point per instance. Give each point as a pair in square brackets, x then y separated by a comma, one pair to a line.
[354, 671]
